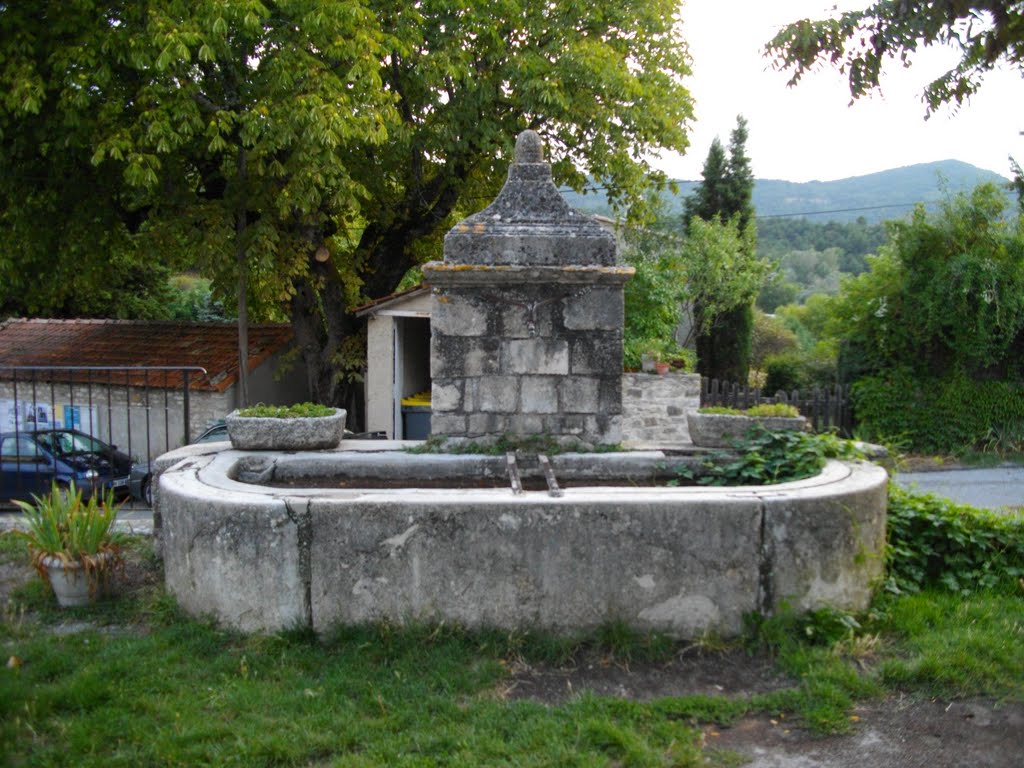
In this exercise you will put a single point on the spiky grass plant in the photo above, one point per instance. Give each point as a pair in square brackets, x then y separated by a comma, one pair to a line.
[62, 525]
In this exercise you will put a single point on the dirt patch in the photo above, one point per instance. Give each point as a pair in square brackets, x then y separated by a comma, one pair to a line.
[725, 673]
[897, 732]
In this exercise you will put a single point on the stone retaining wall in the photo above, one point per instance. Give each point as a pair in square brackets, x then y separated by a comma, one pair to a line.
[654, 408]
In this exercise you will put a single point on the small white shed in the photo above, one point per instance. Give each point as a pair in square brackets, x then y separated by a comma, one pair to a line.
[397, 356]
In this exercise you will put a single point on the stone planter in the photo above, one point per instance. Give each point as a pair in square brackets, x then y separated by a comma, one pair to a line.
[718, 430]
[73, 586]
[307, 433]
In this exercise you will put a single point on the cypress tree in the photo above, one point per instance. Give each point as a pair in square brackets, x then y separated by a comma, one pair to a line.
[726, 193]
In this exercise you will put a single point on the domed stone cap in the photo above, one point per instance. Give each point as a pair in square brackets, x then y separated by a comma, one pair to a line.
[529, 223]
[529, 148]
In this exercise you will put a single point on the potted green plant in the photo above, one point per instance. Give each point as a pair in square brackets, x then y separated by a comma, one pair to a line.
[72, 542]
[717, 427]
[657, 354]
[300, 427]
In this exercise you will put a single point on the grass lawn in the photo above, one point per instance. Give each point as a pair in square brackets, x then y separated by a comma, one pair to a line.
[131, 682]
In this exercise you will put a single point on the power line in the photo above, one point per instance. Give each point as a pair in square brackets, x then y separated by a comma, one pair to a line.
[783, 215]
[835, 210]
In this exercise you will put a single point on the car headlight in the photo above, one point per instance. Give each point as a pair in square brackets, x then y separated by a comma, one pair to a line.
[91, 474]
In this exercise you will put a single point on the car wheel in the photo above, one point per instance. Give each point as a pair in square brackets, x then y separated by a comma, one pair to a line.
[147, 491]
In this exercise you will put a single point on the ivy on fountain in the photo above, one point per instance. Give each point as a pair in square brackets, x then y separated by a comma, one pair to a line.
[764, 457]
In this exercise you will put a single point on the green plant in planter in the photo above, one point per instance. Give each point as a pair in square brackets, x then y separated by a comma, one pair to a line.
[72, 541]
[296, 411]
[771, 410]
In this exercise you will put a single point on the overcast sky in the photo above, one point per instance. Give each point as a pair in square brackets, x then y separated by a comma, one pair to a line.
[810, 131]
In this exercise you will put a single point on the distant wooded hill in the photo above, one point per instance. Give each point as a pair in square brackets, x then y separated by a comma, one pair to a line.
[875, 197]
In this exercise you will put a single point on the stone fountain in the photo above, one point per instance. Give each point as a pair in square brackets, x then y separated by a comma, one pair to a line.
[527, 339]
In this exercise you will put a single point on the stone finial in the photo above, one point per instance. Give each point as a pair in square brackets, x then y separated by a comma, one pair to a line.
[529, 148]
[529, 223]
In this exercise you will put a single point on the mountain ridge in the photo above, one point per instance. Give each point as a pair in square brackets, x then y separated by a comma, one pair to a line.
[876, 196]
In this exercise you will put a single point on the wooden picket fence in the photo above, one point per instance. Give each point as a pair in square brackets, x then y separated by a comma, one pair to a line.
[826, 408]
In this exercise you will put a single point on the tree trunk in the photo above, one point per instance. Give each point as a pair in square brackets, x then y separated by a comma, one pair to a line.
[331, 340]
[241, 224]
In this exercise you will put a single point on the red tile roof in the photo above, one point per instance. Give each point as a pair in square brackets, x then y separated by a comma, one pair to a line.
[378, 304]
[134, 343]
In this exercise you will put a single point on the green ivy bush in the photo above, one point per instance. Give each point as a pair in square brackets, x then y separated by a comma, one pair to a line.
[941, 415]
[937, 543]
[799, 370]
[653, 306]
[764, 457]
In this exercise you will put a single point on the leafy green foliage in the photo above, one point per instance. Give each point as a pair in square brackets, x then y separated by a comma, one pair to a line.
[776, 292]
[192, 300]
[304, 156]
[653, 301]
[771, 337]
[853, 241]
[947, 293]
[721, 272]
[764, 457]
[295, 411]
[799, 370]
[768, 409]
[932, 334]
[936, 543]
[860, 42]
[951, 414]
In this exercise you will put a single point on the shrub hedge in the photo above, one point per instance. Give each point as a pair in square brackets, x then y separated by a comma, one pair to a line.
[947, 415]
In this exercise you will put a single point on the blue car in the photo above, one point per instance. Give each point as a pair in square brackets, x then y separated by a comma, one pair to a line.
[31, 461]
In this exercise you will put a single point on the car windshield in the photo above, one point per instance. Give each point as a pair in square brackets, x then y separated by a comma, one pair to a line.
[71, 442]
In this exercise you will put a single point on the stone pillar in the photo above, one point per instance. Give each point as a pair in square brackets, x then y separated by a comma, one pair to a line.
[527, 317]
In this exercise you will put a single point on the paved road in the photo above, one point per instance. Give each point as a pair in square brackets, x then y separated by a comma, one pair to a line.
[129, 519]
[991, 488]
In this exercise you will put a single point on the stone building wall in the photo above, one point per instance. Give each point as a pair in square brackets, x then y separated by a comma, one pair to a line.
[528, 361]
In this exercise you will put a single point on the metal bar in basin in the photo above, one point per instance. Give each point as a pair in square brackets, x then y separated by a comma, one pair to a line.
[549, 475]
[513, 473]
